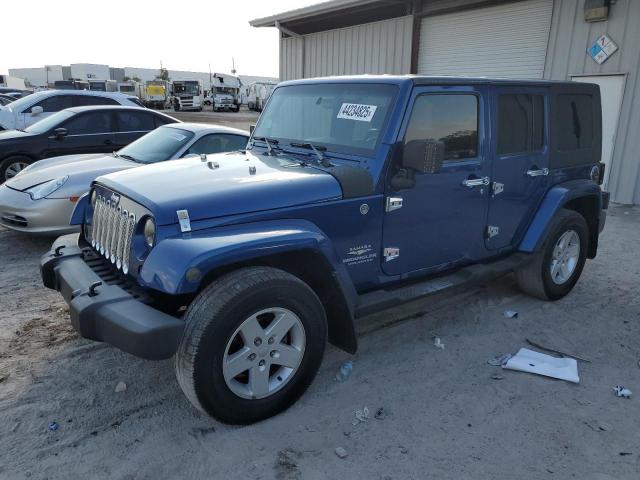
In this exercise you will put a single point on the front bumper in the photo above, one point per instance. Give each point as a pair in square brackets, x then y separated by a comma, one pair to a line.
[46, 216]
[108, 314]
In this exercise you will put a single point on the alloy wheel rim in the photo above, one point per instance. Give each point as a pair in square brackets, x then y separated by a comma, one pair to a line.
[264, 353]
[14, 169]
[565, 257]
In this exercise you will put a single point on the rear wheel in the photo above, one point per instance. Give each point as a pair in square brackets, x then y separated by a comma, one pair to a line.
[253, 342]
[556, 268]
[12, 166]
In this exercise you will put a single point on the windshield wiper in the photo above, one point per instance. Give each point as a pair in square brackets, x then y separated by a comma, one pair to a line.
[268, 141]
[128, 157]
[317, 149]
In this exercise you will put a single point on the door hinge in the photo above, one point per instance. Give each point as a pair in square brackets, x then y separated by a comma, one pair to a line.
[498, 188]
[492, 231]
[393, 203]
[391, 253]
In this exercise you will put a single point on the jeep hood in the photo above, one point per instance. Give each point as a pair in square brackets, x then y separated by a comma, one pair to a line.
[223, 184]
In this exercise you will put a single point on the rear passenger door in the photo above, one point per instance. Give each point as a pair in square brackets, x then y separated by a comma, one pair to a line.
[132, 124]
[87, 132]
[520, 164]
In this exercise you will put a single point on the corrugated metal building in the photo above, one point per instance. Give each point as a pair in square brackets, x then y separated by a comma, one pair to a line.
[511, 38]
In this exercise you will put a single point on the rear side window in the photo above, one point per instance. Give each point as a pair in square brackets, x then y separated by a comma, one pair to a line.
[89, 123]
[520, 123]
[218, 142]
[161, 120]
[55, 103]
[135, 122]
[448, 118]
[86, 100]
[135, 100]
[574, 121]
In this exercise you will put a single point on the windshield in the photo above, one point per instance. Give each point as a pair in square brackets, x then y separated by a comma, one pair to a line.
[47, 123]
[186, 89]
[22, 103]
[347, 118]
[156, 146]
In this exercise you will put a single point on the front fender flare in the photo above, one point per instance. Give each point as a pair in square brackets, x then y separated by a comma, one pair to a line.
[554, 200]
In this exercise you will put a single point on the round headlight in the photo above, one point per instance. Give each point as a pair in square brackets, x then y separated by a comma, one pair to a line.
[149, 232]
[94, 197]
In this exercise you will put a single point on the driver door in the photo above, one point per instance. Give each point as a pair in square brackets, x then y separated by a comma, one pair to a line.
[436, 221]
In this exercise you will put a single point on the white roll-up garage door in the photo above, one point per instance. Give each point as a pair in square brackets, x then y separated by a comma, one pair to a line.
[501, 41]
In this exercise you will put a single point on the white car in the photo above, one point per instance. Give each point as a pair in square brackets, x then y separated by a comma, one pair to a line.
[28, 110]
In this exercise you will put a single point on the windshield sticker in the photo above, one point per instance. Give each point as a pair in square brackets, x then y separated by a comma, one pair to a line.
[177, 137]
[355, 111]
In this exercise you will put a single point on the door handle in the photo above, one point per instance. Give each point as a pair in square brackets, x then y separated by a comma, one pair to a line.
[538, 172]
[475, 182]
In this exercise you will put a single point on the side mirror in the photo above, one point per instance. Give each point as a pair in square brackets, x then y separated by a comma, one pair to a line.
[37, 110]
[424, 156]
[251, 129]
[60, 133]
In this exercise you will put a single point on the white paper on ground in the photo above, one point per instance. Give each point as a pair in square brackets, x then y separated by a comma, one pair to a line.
[534, 362]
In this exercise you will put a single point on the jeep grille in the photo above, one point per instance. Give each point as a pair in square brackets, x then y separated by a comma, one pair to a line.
[112, 231]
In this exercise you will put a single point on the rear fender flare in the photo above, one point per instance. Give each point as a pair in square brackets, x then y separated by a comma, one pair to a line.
[555, 199]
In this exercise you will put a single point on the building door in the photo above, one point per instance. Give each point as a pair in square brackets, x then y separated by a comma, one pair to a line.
[507, 40]
[611, 93]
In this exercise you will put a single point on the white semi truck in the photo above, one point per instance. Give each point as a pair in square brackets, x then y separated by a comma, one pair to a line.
[131, 87]
[103, 85]
[187, 95]
[258, 93]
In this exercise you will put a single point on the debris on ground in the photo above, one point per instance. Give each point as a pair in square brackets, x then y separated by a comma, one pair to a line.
[403, 450]
[541, 364]
[437, 343]
[53, 426]
[552, 350]
[500, 360]
[120, 387]
[286, 463]
[361, 416]
[510, 314]
[380, 414]
[341, 452]
[497, 377]
[310, 429]
[622, 392]
[345, 370]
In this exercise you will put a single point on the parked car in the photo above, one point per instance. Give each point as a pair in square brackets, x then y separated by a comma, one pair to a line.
[42, 197]
[95, 129]
[355, 194]
[32, 108]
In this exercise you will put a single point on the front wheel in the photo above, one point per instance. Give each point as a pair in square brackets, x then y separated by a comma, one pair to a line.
[12, 166]
[253, 342]
[555, 269]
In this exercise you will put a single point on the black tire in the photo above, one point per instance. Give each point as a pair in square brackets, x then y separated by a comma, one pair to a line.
[212, 320]
[12, 161]
[535, 277]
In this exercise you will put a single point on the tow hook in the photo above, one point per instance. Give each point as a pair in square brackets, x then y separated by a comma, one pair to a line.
[92, 288]
[58, 251]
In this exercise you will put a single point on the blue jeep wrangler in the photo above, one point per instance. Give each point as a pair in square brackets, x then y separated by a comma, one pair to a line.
[353, 195]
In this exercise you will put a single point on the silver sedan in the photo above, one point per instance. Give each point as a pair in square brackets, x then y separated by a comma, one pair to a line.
[41, 198]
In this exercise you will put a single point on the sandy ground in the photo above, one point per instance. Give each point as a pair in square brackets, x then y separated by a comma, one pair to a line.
[443, 415]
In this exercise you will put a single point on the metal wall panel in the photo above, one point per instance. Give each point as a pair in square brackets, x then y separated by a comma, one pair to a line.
[379, 47]
[570, 37]
[504, 41]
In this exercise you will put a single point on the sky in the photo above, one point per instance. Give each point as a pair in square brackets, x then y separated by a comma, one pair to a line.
[134, 33]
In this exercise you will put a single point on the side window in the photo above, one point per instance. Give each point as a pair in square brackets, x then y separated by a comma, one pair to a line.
[136, 101]
[447, 118]
[55, 103]
[159, 121]
[218, 142]
[574, 122]
[85, 100]
[133, 121]
[520, 123]
[89, 123]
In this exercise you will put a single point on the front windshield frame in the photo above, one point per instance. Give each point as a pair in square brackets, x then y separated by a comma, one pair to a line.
[132, 150]
[393, 91]
[48, 123]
